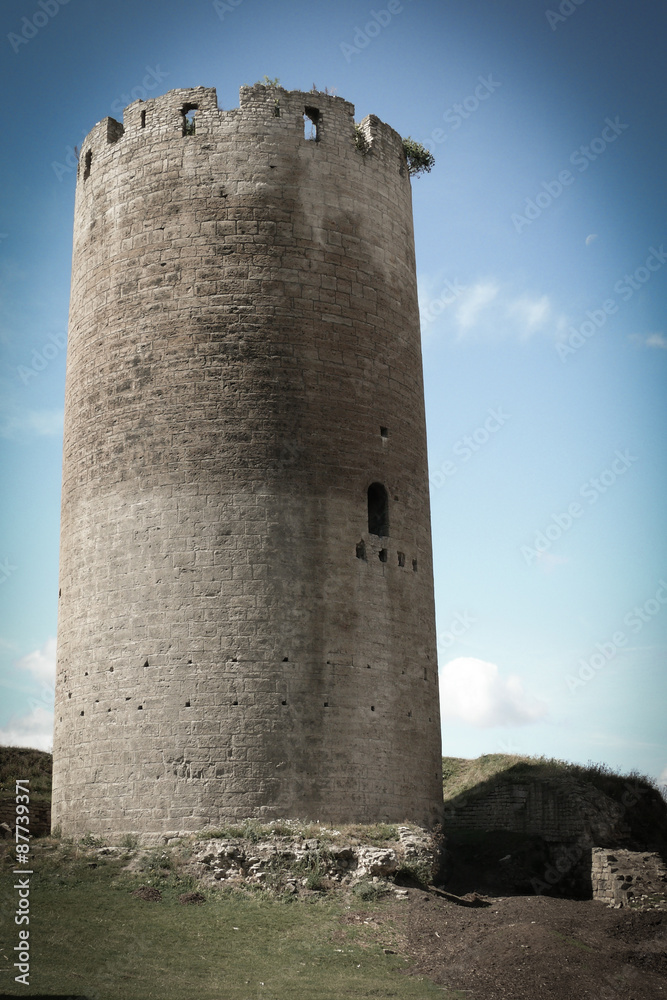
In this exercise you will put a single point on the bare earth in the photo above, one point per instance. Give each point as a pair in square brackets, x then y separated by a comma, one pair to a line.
[533, 947]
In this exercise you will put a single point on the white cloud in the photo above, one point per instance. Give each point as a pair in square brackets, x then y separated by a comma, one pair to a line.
[530, 314]
[43, 423]
[548, 562]
[650, 340]
[484, 310]
[41, 663]
[474, 301]
[473, 691]
[591, 238]
[35, 729]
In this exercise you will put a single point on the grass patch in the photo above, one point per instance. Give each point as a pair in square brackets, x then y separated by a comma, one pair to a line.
[373, 834]
[369, 892]
[574, 942]
[462, 775]
[20, 762]
[92, 936]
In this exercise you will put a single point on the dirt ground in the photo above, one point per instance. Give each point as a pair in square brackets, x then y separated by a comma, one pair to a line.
[533, 947]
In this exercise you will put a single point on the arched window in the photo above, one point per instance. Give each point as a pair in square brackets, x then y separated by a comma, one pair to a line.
[378, 510]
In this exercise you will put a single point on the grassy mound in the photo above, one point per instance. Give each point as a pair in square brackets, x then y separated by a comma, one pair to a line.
[645, 810]
[23, 762]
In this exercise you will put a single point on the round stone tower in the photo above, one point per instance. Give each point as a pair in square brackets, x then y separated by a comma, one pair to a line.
[246, 615]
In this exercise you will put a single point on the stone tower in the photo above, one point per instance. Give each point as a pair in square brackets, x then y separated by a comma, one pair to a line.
[246, 614]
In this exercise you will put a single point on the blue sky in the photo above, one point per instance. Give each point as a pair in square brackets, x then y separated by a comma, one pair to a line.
[540, 236]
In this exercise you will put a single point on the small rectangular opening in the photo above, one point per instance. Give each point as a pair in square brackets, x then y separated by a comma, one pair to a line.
[383, 555]
[312, 121]
[87, 163]
[401, 558]
[384, 432]
[143, 119]
[188, 112]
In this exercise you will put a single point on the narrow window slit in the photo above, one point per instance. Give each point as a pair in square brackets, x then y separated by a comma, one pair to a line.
[87, 163]
[383, 555]
[143, 119]
[401, 558]
[384, 432]
[414, 565]
[378, 510]
[361, 550]
[312, 121]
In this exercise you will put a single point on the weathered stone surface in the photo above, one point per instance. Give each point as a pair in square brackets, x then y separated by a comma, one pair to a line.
[243, 364]
[621, 877]
[381, 861]
[253, 861]
[557, 811]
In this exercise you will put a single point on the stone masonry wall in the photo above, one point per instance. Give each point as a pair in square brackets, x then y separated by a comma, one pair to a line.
[555, 811]
[620, 877]
[243, 363]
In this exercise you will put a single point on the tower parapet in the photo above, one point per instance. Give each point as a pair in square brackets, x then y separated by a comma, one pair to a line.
[246, 621]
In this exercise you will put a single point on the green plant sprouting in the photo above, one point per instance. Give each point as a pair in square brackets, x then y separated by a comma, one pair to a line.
[419, 158]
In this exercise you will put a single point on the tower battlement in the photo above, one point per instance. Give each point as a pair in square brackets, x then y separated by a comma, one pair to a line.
[276, 114]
